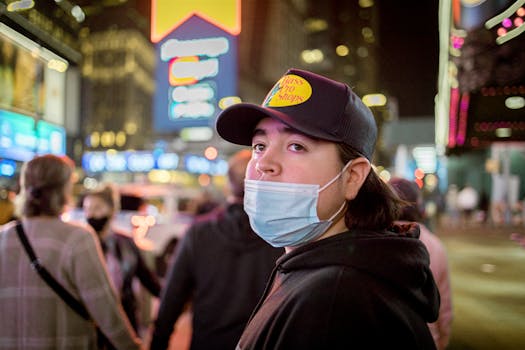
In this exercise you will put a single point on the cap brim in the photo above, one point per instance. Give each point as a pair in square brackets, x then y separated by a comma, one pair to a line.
[237, 123]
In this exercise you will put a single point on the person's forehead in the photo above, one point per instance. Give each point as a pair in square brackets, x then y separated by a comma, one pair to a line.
[266, 125]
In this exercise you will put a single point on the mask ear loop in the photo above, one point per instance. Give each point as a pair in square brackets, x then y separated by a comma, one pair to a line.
[336, 177]
[338, 211]
[331, 182]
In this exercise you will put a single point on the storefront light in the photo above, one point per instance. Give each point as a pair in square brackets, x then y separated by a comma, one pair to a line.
[503, 132]
[23, 5]
[515, 102]
[120, 139]
[54, 61]
[107, 139]
[372, 100]
[226, 102]
[211, 153]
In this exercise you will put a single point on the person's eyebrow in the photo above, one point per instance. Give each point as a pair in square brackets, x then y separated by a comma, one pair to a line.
[258, 132]
[284, 129]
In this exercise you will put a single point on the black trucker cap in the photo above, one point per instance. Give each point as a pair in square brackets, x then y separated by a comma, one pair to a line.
[309, 103]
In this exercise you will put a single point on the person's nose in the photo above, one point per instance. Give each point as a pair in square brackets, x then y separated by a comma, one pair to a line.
[267, 166]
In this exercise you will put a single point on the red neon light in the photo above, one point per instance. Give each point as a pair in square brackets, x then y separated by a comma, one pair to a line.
[452, 117]
[463, 117]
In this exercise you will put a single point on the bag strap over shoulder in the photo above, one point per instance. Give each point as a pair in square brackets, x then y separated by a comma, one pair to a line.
[48, 278]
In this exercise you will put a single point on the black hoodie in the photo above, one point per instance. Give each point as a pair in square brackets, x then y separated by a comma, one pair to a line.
[222, 266]
[354, 290]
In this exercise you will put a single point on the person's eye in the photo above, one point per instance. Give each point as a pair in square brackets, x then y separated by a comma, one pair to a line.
[258, 147]
[296, 147]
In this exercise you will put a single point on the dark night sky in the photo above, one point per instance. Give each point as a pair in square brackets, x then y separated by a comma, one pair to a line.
[408, 54]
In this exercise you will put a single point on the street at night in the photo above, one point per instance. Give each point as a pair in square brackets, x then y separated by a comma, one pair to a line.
[488, 287]
[143, 106]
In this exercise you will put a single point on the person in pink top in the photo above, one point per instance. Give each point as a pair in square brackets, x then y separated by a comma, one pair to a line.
[409, 191]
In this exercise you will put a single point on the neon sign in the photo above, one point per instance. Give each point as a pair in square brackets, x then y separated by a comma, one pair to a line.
[211, 47]
[196, 68]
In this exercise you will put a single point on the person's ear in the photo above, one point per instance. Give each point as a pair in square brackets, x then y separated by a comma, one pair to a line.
[355, 175]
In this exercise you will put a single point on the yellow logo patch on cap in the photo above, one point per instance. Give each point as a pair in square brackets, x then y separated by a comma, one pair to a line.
[290, 90]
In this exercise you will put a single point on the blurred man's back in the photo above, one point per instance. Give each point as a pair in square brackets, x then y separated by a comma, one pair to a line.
[221, 266]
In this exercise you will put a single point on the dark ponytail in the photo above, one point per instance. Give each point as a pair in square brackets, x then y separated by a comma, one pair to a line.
[376, 206]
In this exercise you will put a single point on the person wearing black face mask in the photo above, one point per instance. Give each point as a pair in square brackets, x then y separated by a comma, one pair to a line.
[98, 224]
[123, 257]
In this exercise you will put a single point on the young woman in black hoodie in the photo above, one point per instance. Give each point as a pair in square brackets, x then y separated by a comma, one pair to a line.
[350, 278]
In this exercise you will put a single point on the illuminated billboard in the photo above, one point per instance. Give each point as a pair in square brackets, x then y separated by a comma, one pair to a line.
[196, 64]
[32, 78]
[21, 137]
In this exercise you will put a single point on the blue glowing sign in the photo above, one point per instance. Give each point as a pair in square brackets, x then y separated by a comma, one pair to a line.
[94, 162]
[133, 161]
[17, 136]
[144, 161]
[167, 161]
[201, 165]
[7, 167]
[20, 139]
[51, 138]
[114, 162]
[196, 68]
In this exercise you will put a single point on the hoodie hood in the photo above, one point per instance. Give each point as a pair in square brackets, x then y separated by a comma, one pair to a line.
[397, 257]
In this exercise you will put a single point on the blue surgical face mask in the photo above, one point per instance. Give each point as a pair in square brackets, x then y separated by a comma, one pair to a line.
[285, 214]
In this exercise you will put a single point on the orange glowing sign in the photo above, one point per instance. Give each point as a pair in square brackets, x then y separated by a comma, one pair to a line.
[166, 15]
[176, 79]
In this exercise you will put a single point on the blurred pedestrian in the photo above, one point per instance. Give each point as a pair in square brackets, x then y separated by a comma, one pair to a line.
[124, 259]
[221, 266]
[7, 207]
[409, 191]
[467, 202]
[205, 203]
[484, 206]
[452, 208]
[349, 278]
[33, 315]
[186, 212]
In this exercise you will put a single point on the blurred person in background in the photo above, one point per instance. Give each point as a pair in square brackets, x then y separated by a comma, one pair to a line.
[221, 266]
[484, 207]
[34, 316]
[467, 202]
[205, 203]
[349, 278]
[451, 203]
[414, 212]
[7, 207]
[187, 208]
[124, 259]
